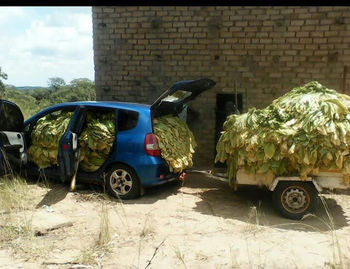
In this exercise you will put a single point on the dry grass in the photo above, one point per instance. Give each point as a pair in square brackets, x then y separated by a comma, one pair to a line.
[15, 194]
[12, 229]
[180, 256]
[337, 254]
[102, 245]
[16, 231]
[148, 226]
[15, 197]
[253, 227]
[31, 248]
[104, 237]
[87, 196]
[254, 220]
[144, 232]
[255, 216]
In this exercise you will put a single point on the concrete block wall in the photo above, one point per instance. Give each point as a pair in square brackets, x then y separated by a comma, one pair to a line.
[264, 51]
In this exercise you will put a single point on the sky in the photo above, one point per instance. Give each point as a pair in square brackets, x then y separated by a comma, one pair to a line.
[38, 43]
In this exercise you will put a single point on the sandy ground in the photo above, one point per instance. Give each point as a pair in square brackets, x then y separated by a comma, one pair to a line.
[200, 224]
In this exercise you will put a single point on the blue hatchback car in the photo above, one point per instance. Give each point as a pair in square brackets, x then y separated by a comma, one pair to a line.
[135, 158]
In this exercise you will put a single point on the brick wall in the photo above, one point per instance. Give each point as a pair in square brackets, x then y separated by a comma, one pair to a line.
[266, 50]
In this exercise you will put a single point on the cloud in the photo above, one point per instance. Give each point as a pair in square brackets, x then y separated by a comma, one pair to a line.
[10, 14]
[46, 42]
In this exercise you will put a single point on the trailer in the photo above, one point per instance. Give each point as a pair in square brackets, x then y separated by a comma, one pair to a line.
[292, 197]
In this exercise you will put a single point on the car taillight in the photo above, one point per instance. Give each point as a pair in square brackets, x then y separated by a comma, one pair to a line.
[151, 145]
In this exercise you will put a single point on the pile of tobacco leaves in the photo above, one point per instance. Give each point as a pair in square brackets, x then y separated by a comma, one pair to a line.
[300, 133]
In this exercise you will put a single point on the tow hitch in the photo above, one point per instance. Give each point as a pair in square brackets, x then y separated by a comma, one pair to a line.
[182, 176]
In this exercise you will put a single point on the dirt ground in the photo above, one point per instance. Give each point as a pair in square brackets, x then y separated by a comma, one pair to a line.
[200, 223]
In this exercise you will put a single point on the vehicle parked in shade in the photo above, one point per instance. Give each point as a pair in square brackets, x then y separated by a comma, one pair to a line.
[135, 158]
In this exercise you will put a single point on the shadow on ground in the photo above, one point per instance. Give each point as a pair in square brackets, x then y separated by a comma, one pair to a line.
[151, 194]
[247, 204]
[59, 191]
[156, 193]
[253, 204]
[56, 194]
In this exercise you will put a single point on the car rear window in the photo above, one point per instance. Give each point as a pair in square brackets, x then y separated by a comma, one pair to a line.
[127, 119]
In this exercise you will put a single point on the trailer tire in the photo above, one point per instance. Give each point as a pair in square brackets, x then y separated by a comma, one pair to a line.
[294, 199]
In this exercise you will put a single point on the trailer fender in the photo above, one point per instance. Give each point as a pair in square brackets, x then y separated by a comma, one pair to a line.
[274, 183]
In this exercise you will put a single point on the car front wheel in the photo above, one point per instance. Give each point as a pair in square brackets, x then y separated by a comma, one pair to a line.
[122, 182]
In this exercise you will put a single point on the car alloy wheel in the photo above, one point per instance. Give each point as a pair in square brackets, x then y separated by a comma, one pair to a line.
[121, 181]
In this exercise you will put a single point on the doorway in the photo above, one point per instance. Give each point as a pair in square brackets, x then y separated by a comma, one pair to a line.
[225, 105]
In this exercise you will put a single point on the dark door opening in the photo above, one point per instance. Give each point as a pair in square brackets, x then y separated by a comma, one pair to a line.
[225, 106]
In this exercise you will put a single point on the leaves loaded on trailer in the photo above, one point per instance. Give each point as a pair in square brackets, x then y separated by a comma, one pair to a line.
[300, 133]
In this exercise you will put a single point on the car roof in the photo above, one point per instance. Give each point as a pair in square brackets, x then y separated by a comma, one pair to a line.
[142, 108]
[107, 104]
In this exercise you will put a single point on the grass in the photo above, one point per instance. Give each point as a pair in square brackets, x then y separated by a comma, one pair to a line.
[15, 194]
[337, 260]
[31, 248]
[255, 224]
[146, 230]
[253, 227]
[337, 255]
[13, 230]
[16, 231]
[104, 237]
[102, 245]
[42, 179]
[15, 197]
[88, 256]
[180, 256]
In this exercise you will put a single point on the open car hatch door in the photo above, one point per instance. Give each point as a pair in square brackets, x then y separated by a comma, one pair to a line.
[173, 100]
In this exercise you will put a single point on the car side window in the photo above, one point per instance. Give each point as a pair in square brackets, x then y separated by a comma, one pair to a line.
[127, 119]
[29, 127]
[52, 114]
[56, 113]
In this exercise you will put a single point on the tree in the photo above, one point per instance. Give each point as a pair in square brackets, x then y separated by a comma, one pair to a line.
[2, 85]
[56, 83]
[84, 88]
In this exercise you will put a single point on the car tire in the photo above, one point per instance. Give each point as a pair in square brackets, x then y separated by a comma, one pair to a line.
[295, 199]
[122, 182]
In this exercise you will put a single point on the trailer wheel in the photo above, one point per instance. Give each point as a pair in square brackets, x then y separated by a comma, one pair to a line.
[294, 199]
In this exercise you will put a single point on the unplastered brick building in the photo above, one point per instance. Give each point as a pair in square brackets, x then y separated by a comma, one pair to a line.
[254, 54]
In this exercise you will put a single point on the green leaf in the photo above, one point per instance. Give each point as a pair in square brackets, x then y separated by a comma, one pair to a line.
[269, 150]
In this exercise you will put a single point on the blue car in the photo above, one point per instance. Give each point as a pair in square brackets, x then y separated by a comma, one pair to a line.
[135, 158]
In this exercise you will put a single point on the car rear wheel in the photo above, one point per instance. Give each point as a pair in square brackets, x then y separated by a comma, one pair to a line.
[295, 199]
[122, 182]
